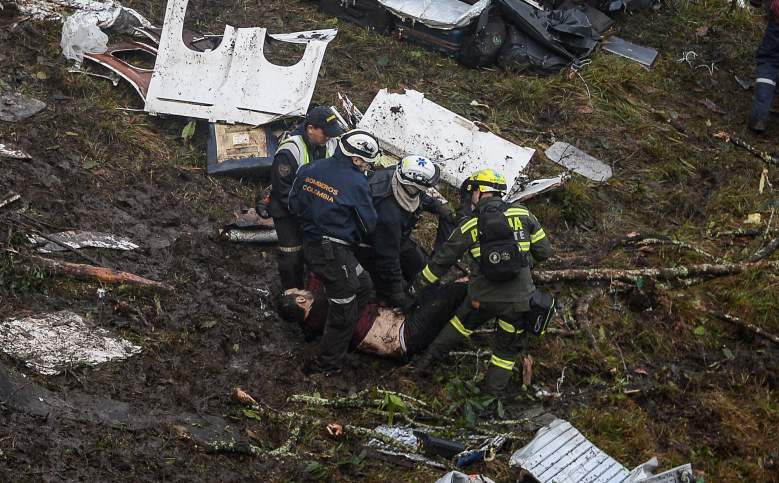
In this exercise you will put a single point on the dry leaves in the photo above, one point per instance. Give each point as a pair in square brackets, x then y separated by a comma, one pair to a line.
[243, 396]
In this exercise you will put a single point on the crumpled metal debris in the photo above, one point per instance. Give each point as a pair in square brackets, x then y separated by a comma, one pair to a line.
[7, 151]
[405, 437]
[138, 77]
[457, 477]
[407, 123]
[82, 239]
[16, 107]
[645, 56]
[109, 12]
[578, 161]
[439, 14]
[559, 453]
[51, 342]
[527, 190]
[222, 84]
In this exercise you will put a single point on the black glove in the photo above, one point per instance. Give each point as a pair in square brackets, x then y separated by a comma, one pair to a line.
[402, 300]
[446, 212]
[419, 284]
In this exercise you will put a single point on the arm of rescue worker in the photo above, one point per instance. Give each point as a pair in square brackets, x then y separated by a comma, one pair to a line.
[386, 250]
[448, 255]
[363, 208]
[437, 207]
[294, 201]
[282, 175]
[540, 247]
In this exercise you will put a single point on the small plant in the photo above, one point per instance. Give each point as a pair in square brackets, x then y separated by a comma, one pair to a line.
[466, 396]
[393, 404]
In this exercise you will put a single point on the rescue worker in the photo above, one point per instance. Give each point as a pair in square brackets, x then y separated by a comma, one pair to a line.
[379, 331]
[399, 196]
[309, 142]
[767, 72]
[500, 239]
[332, 201]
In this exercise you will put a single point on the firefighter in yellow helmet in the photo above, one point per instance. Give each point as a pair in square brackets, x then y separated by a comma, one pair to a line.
[502, 241]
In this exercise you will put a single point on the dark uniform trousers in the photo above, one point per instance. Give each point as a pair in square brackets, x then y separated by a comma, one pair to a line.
[290, 256]
[347, 286]
[767, 73]
[509, 340]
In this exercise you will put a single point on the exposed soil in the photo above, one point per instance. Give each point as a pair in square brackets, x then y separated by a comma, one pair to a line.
[660, 382]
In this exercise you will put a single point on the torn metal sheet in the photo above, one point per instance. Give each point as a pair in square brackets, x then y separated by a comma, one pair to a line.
[108, 14]
[138, 77]
[240, 150]
[439, 14]
[15, 107]
[353, 115]
[6, 151]
[406, 123]
[458, 477]
[559, 453]
[405, 437]
[224, 84]
[526, 191]
[578, 161]
[645, 56]
[50, 343]
[82, 239]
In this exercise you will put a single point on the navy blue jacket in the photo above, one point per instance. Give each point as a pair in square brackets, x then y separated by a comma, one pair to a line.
[331, 198]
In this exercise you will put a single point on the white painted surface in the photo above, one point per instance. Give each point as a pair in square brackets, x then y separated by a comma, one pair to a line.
[440, 14]
[408, 123]
[9, 152]
[578, 161]
[234, 82]
[50, 343]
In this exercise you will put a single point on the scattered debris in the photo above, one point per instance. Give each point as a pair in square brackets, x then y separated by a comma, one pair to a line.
[50, 343]
[222, 85]
[89, 272]
[15, 107]
[645, 56]
[433, 446]
[10, 198]
[81, 239]
[243, 396]
[712, 106]
[408, 123]
[138, 77]
[240, 150]
[353, 115]
[400, 441]
[560, 453]
[108, 10]
[746, 85]
[753, 219]
[484, 453]
[441, 14]
[764, 155]
[249, 227]
[457, 477]
[7, 151]
[578, 161]
[534, 188]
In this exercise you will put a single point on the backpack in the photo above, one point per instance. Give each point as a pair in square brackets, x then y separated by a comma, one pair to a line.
[500, 258]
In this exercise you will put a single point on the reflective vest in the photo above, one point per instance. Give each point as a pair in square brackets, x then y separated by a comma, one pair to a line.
[297, 147]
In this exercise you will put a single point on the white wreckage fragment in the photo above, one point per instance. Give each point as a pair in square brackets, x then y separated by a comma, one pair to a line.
[50, 343]
[82, 239]
[406, 123]
[7, 151]
[439, 14]
[559, 453]
[234, 82]
[578, 161]
[106, 12]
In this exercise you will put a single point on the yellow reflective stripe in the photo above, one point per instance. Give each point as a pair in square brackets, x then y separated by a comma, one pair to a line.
[524, 246]
[476, 251]
[516, 212]
[506, 326]
[429, 275]
[502, 363]
[469, 224]
[537, 236]
[455, 321]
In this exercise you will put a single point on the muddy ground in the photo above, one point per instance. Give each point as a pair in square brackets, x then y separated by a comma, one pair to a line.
[662, 377]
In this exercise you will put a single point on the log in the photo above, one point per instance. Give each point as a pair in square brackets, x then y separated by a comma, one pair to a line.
[90, 272]
[632, 275]
[10, 198]
[765, 251]
[747, 325]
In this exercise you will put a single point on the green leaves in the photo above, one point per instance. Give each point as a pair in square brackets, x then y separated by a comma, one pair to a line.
[252, 414]
[393, 404]
[188, 131]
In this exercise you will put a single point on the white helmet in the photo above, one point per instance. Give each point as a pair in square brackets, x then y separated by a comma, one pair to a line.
[418, 171]
[360, 143]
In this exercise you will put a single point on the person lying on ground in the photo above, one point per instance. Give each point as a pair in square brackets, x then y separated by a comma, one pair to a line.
[380, 330]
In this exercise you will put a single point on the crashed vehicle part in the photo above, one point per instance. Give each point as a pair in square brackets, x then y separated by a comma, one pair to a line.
[438, 14]
[240, 150]
[526, 191]
[138, 77]
[82, 239]
[458, 477]
[110, 13]
[7, 151]
[15, 107]
[578, 161]
[559, 453]
[243, 235]
[645, 56]
[406, 123]
[225, 84]
[51, 343]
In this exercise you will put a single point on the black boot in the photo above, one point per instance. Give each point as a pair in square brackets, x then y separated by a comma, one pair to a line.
[761, 106]
[447, 339]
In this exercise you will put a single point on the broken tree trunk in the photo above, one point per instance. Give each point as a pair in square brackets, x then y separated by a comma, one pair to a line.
[632, 275]
[747, 325]
[765, 251]
[90, 272]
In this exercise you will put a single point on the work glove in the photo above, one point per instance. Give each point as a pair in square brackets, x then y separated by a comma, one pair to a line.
[263, 202]
[402, 300]
[419, 284]
[445, 212]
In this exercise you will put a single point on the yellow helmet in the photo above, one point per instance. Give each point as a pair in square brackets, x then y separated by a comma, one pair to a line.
[486, 180]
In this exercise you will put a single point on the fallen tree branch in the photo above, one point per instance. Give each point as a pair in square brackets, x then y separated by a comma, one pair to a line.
[765, 251]
[89, 272]
[632, 275]
[747, 325]
[10, 198]
[356, 403]
[686, 246]
[765, 156]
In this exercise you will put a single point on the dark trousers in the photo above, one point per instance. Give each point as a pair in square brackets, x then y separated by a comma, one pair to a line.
[347, 286]
[290, 256]
[767, 72]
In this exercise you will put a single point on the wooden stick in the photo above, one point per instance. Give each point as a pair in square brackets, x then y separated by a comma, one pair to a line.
[687, 246]
[747, 325]
[90, 272]
[10, 198]
[765, 251]
[632, 275]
